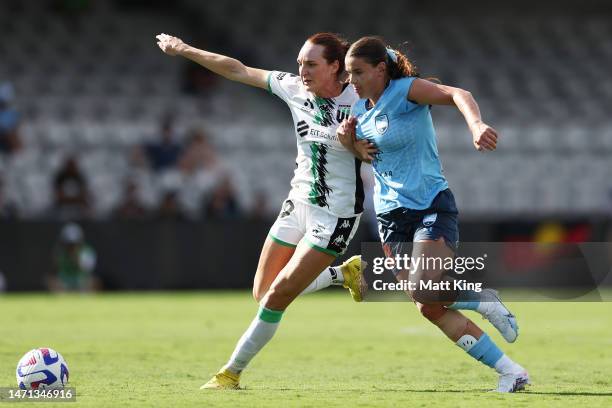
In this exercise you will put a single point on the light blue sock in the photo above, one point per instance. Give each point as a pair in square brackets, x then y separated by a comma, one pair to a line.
[483, 349]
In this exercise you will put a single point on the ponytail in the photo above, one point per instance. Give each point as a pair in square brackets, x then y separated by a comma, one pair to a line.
[400, 66]
[374, 51]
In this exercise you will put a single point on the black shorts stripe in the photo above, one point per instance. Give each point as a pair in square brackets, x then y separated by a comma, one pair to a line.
[359, 195]
[340, 237]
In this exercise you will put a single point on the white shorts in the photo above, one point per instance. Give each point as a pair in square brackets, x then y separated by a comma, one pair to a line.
[320, 229]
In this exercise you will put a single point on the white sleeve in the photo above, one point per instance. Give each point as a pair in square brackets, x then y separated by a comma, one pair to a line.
[283, 84]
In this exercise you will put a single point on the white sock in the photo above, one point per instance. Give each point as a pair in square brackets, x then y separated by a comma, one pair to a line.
[259, 333]
[337, 275]
[330, 276]
[506, 366]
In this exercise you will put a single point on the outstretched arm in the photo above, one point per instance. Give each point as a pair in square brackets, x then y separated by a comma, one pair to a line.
[227, 67]
[429, 93]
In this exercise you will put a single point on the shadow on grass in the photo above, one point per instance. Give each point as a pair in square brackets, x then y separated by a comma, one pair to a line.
[481, 391]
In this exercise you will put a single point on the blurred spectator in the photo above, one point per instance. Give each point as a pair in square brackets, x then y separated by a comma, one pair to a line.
[74, 262]
[223, 202]
[198, 81]
[8, 210]
[9, 120]
[70, 189]
[169, 208]
[137, 158]
[130, 207]
[259, 209]
[165, 153]
[198, 154]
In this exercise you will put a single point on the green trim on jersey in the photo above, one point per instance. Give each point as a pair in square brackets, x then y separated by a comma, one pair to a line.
[325, 107]
[269, 85]
[269, 315]
[324, 250]
[281, 242]
[270, 82]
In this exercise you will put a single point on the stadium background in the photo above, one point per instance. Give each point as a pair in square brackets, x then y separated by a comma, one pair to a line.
[85, 80]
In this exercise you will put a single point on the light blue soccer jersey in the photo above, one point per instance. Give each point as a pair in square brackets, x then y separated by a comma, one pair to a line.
[407, 167]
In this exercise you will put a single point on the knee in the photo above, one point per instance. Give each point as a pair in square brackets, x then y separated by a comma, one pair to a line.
[260, 284]
[277, 298]
[431, 312]
[258, 294]
[423, 296]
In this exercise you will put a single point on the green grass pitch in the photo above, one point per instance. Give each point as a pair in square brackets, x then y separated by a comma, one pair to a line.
[156, 349]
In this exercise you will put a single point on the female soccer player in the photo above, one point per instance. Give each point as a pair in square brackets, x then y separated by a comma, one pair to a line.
[322, 212]
[413, 203]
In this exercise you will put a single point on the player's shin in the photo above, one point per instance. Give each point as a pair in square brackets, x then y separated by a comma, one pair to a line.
[259, 333]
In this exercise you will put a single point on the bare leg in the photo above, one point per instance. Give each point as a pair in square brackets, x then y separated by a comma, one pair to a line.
[431, 303]
[274, 257]
[303, 267]
[461, 330]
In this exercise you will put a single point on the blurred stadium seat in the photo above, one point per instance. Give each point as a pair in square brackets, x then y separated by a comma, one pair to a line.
[99, 86]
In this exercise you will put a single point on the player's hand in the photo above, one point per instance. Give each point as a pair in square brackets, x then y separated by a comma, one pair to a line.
[346, 132]
[483, 136]
[169, 44]
[365, 149]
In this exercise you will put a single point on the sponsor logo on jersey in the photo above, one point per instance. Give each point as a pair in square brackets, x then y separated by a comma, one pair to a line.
[345, 224]
[430, 219]
[382, 123]
[281, 75]
[302, 128]
[322, 135]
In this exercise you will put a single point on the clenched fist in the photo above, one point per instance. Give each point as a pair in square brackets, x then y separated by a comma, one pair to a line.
[483, 136]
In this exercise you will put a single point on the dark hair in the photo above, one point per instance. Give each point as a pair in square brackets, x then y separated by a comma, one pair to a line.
[374, 50]
[335, 48]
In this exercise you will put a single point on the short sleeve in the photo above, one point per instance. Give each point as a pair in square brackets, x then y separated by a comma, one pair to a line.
[405, 85]
[283, 84]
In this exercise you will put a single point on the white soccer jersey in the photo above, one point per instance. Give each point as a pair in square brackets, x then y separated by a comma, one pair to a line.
[327, 175]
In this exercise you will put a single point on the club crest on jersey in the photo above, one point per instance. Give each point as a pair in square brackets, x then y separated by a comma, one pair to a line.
[382, 123]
